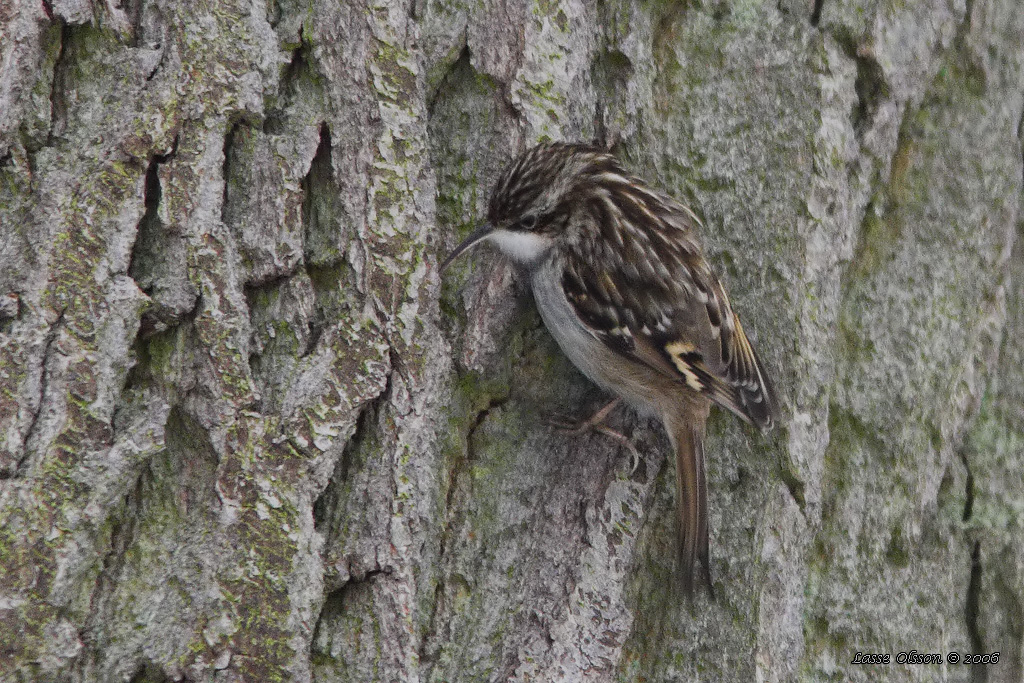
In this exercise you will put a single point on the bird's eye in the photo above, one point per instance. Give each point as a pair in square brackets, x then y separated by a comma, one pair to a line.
[528, 222]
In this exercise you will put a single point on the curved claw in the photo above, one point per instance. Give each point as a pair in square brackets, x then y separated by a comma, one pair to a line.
[622, 439]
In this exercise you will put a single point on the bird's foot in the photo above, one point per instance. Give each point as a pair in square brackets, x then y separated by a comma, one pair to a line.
[571, 427]
[595, 423]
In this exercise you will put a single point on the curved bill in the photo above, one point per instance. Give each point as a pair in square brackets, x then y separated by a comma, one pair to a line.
[475, 238]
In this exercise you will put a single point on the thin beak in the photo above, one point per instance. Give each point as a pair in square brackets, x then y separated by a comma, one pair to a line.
[478, 235]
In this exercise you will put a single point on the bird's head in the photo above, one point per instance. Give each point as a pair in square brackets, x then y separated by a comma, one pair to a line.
[532, 201]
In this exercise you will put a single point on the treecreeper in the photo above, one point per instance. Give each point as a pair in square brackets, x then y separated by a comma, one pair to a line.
[622, 284]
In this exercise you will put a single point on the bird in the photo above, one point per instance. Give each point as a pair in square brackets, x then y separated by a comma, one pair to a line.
[621, 282]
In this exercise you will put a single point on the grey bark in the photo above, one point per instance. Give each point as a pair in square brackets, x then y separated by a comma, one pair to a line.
[250, 434]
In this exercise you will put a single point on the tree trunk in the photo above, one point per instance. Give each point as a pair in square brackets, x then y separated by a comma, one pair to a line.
[249, 433]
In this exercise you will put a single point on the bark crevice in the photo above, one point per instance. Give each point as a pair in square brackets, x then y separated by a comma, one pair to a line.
[46, 372]
[816, 12]
[979, 672]
[61, 82]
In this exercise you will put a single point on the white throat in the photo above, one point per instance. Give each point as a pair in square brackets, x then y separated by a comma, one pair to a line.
[525, 248]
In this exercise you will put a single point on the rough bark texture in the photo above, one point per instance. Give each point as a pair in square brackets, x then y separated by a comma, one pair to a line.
[248, 434]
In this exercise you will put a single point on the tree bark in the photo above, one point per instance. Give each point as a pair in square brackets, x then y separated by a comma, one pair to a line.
[249, 433]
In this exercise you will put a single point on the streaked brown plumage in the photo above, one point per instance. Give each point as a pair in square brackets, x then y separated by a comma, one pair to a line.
[621, 282]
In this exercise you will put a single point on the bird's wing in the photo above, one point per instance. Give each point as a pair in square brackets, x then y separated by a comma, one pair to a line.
[652, 296]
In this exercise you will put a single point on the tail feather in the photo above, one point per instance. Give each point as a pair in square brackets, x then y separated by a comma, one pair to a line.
[692, 500]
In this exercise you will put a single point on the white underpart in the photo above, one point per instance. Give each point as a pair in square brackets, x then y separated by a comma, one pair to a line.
[593, 357]
[522, 247]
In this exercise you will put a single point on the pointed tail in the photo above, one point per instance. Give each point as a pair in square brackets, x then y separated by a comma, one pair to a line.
[687, 435]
